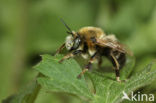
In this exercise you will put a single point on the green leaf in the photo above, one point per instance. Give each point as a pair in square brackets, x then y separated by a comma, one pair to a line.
[62, 78]
[25, 95]
[128, 68]
[110, 91]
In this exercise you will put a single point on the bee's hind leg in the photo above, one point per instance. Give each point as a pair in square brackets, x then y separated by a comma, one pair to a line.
[117, 65]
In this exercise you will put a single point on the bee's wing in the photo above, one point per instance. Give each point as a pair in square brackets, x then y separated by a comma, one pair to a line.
[114, 45]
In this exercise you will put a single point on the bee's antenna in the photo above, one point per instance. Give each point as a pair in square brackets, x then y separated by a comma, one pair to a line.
[70, 31]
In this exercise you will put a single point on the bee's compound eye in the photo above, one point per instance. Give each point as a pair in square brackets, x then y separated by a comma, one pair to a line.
[76, 42]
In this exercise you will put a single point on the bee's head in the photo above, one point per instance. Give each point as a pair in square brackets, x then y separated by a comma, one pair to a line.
[72, 41]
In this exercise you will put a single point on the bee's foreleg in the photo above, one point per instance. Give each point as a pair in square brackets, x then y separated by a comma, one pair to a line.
[66, 57]
[116, 68]
[88, 66]
[60, 48]
[70, 55]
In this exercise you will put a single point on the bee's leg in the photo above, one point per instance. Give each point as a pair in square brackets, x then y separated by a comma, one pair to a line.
[60, 48]
[88, 66]
[70, 55]
[66, 57]
[99, 62]
[116, 68]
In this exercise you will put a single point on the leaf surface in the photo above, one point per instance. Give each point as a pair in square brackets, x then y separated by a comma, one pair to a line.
[62, 78]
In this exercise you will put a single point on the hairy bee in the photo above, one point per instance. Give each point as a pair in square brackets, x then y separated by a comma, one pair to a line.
[93, 43]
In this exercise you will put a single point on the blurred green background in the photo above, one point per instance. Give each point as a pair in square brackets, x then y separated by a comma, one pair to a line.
[29, 28]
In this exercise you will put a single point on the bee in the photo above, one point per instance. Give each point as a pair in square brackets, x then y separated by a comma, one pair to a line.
[92, 43]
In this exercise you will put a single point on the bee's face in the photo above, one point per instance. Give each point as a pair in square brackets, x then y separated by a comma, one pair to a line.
[72, 43]
[69, 42]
